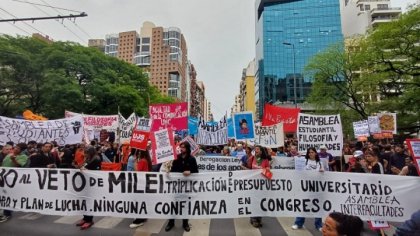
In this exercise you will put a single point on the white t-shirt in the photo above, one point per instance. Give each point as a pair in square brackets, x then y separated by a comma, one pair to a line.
[313, 165]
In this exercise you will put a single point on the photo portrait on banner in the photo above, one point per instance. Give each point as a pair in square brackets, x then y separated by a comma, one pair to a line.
[243, 124]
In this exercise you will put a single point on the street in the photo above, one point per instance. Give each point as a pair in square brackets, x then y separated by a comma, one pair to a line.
[36, 224]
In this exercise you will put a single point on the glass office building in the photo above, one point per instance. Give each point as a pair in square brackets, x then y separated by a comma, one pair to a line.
[288, 34]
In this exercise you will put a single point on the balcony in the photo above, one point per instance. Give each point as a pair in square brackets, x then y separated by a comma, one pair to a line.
[390, 11]
[358, 2]
[382, 19]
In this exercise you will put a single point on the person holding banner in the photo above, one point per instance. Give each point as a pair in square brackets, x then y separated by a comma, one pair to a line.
[185, 164]
[261, 160]
[14, 159]
[246, 160]
[92, 162]
[143, 163]
[293, 152]
[374, 166]
[44, 159]
[313, 163]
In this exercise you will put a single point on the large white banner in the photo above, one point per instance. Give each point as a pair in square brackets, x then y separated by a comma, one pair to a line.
[229, 194]
[269, 136]
[361, 128]
[126, 126]
[63, 131]
[224, 163]
[317, 130]
[212, 138]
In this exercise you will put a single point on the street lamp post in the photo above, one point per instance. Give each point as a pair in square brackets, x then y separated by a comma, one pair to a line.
[294, 71]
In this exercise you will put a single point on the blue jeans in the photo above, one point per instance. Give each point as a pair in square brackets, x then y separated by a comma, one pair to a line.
[301, 220]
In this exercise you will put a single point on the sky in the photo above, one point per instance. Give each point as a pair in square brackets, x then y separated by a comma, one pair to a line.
[220, 34]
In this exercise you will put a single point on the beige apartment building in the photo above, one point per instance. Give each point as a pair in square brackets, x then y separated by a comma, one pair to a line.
[161, 52]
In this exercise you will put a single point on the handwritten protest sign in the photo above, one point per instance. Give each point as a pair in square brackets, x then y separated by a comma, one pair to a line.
[269, 136]
[317, 130]
[173, 116]
[228, 194]
[95, 124]
[212, 138]
[163, 146]
[374, 127]
[361, 129]
[63, 131]
[193, 145]
[275, 114]
[125, 128]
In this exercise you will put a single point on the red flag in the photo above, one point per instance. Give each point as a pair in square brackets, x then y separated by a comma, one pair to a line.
[275, 114]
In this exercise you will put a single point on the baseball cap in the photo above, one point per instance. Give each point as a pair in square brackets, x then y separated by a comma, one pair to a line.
[323, 147]
[358, 153]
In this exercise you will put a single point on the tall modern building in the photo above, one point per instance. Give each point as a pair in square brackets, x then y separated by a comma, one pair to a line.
[288, 34]
[247, 88]
[161, 52]
[358, 16]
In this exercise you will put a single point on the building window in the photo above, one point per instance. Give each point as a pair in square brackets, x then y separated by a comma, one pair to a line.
[367, 7]
[382, 6]
[145, 40]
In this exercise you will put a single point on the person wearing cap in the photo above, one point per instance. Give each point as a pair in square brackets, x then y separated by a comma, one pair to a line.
[324, 154]
[354, 163]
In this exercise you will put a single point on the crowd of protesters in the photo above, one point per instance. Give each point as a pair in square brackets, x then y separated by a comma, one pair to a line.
[368, 157]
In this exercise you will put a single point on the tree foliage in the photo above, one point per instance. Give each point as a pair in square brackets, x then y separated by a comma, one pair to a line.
[50, 78]
[379, 72]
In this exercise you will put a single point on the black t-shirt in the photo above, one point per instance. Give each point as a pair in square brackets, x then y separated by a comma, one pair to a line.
[377, 169]
[94, 164]
[182, 164]
[41, 160]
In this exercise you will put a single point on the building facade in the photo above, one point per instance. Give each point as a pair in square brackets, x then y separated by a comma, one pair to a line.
[161, 52]
[288, 35]
[97, 43]
[358, 16]
[247, 88]
[237, 105]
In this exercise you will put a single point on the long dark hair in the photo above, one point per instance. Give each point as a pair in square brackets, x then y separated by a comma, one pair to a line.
[347, 224]
[264, 153]
[187, 148]
[146, 155]
[316, 154]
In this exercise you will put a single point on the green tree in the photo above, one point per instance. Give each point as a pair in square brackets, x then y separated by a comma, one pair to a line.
[49, 78]
[376, 73]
